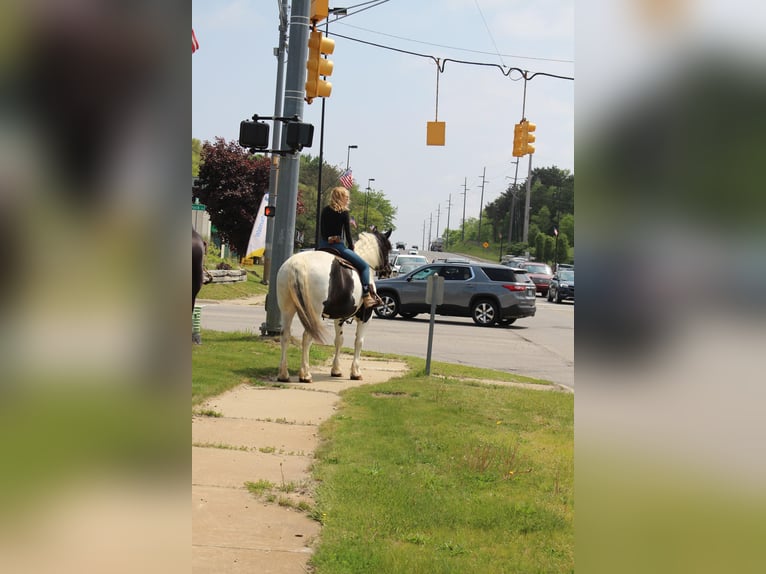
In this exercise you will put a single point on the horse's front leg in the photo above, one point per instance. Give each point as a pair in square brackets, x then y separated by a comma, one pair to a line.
[335, 370]
[356, 373]
[305, 375]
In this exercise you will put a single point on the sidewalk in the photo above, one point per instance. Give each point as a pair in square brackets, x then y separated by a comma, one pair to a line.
[266, 434]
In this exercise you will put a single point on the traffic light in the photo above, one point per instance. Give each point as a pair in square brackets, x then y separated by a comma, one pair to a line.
[299, 135]
[518, 144]
[319, 10]
[528, 138]
[318, 66]
[270, 211]
[253, 134]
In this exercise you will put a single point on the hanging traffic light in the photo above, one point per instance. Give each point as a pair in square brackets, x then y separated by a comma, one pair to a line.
[518, 144]
[529, 138]
[319, 10]
[318, 66]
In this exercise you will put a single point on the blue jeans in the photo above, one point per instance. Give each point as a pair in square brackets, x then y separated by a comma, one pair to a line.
[352, 257]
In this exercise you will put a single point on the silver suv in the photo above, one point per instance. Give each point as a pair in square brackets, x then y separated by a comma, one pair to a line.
[488, 293]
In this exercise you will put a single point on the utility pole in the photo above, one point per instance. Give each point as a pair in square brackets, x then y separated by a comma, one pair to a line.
[513, 202]
[481, 203]
[525, 238]
[424, 233]
[430, 224]
[438, 217]
[446, 229]
[465, 191]
[287, 185]
[279, 52]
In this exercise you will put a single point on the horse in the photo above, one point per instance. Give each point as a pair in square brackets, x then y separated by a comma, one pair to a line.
[198, 253]
[317, 284]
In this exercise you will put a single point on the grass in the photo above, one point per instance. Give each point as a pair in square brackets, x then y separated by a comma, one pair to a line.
[238, 290]
[423, 474]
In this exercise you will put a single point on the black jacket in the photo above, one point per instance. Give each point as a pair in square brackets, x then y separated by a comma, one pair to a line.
[332, 223]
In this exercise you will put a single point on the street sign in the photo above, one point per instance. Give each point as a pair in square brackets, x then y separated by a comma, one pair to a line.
[198, 207]
[435, 289]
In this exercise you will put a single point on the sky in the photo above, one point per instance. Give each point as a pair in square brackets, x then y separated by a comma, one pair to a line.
[382, 100]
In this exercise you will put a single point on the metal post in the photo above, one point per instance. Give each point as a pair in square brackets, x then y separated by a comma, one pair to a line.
[279, 52]
[287, 186]
[481, 202]
[513, 202]
[465, 192]
[438, 218]
[526, 203]
[366, 199]
[446, 229]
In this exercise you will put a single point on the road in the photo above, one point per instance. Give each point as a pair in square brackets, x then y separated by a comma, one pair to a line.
[541, 346]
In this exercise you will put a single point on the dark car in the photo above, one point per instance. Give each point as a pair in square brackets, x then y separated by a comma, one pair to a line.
[486, 292]
[562, 285]
[540, 273]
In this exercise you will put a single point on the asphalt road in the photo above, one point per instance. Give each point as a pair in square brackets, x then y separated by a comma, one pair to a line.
[541, 346]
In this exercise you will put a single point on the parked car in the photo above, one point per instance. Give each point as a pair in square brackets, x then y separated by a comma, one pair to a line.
[562, 285]
[409, 262]
[540, 273]
[488, 293]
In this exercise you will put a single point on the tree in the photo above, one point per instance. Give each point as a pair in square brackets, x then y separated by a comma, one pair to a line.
[543, 219]
[540, 247]
[566, 228]
[231, 184]
[550, 248]
[196, 153]
[562, 249]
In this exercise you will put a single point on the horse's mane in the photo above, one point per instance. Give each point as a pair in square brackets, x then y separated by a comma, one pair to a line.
[369, 248]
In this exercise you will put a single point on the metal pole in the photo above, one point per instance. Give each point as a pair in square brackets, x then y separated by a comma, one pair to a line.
[513, 202]
[525, 238]
[348, 154]
[481, 202]
[438, 217]
[465, 191]
[279, 52]
[284, 220]
[446, 230]
[430, 224]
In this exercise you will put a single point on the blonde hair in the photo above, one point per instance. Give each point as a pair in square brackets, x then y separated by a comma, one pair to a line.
[338, 198]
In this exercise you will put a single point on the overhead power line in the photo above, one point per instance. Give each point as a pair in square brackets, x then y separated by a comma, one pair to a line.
[441, 62]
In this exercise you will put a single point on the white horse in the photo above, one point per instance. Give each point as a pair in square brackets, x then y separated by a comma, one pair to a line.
[317, 284]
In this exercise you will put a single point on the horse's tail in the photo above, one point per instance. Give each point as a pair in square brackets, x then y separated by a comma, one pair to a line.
[300, 294]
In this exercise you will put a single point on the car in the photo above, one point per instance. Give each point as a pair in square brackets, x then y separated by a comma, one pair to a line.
[487, 292]
[540, 273]
[412, 252]
[409, 262]
[562, 285]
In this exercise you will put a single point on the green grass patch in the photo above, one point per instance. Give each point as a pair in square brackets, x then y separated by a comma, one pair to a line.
[227, 360]
[427, 475]
[241, 289]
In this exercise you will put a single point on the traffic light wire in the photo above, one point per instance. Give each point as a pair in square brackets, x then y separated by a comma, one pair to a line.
[441, 62]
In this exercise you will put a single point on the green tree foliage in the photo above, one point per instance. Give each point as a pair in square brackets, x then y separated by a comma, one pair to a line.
[196, 154]
[231, 183]
[562, 249]
[550, 248]
[566, 228]
[543, 219]
[540, 247]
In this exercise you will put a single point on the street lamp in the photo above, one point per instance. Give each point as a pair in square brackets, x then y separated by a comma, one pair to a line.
[366, 198]
[348, 155]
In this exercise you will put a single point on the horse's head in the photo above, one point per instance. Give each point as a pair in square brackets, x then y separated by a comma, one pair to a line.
[384, 246]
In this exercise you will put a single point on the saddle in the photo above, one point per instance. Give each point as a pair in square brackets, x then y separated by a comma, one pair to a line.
[340, 303]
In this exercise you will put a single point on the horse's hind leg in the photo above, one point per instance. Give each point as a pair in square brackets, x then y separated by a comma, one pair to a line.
[335, 370]
[305, 374]
[356, 373]
[287, 319]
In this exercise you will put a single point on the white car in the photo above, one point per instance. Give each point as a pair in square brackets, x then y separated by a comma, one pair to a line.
[412, 252]
[409, 262]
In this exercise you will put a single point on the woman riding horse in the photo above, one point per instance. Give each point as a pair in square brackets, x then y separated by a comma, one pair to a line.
[334, 226]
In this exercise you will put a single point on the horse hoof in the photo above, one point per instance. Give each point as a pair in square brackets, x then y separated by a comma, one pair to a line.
[281, 380]
[304, 380]
[356, 377]
[338, 374]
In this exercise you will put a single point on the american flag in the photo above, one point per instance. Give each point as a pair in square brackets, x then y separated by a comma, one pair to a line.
[346, 179]
[195, 43]
[556, 231]
[352, 221]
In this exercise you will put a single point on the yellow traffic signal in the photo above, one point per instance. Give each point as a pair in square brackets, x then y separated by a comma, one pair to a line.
[318, 66]
[319, 10]
[518, 144]
[529, 139]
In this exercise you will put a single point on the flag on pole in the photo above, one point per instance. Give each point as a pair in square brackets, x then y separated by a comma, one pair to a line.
[195, 43]
[556, 231]
[346, 179]
[352, 221]
[256, 246]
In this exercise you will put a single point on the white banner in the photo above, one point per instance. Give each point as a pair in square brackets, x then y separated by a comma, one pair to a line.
[257, 244]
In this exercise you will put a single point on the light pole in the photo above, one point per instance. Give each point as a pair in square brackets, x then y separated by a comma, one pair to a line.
[366, 199]
[348, 154]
